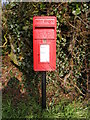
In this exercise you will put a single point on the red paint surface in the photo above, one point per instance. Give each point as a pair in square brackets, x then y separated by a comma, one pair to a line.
[44, 33]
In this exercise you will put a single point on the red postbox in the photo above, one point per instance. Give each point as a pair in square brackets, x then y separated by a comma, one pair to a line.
[44, 43]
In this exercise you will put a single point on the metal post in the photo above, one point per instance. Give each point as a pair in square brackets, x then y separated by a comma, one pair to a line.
[44, 90]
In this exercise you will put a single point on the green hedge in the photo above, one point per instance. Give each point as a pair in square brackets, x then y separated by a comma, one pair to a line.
[71, 75]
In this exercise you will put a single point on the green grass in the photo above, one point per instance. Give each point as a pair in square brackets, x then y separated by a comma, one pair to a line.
[30, 109]
[18, 105]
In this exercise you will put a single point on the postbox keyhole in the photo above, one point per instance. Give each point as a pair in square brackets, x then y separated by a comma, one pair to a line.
[44, 41]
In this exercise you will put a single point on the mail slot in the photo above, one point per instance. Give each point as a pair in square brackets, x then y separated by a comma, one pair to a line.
[44, 43]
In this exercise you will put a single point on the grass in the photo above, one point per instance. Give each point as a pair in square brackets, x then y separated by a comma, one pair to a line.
[30, 109]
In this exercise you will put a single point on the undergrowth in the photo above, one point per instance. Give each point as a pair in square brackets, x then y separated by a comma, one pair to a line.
[30, 109]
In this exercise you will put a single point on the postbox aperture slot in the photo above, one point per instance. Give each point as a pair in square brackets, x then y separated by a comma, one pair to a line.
[40, 27]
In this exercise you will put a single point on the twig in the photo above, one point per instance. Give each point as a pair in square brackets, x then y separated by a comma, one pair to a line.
[81, 20]
[72, 25]
[79, 90]
[66, 77]
[5, 41]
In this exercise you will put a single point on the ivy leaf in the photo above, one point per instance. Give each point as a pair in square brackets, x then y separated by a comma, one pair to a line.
[76, 12]
[13, 57]
[25, 27]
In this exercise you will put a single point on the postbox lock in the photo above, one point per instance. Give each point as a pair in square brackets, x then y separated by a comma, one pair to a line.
[44, 41]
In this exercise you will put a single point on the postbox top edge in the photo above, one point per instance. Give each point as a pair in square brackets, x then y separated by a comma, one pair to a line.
[43, 17]
[44, 21]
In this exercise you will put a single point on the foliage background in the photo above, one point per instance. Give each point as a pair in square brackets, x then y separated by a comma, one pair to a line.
[68, 85]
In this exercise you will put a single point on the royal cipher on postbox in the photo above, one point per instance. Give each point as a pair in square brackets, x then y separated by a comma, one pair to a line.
[44, 43]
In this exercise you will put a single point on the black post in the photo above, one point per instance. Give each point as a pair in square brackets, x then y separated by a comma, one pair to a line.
[44, 90]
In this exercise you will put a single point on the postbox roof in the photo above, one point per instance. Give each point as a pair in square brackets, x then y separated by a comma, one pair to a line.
[44, 21]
